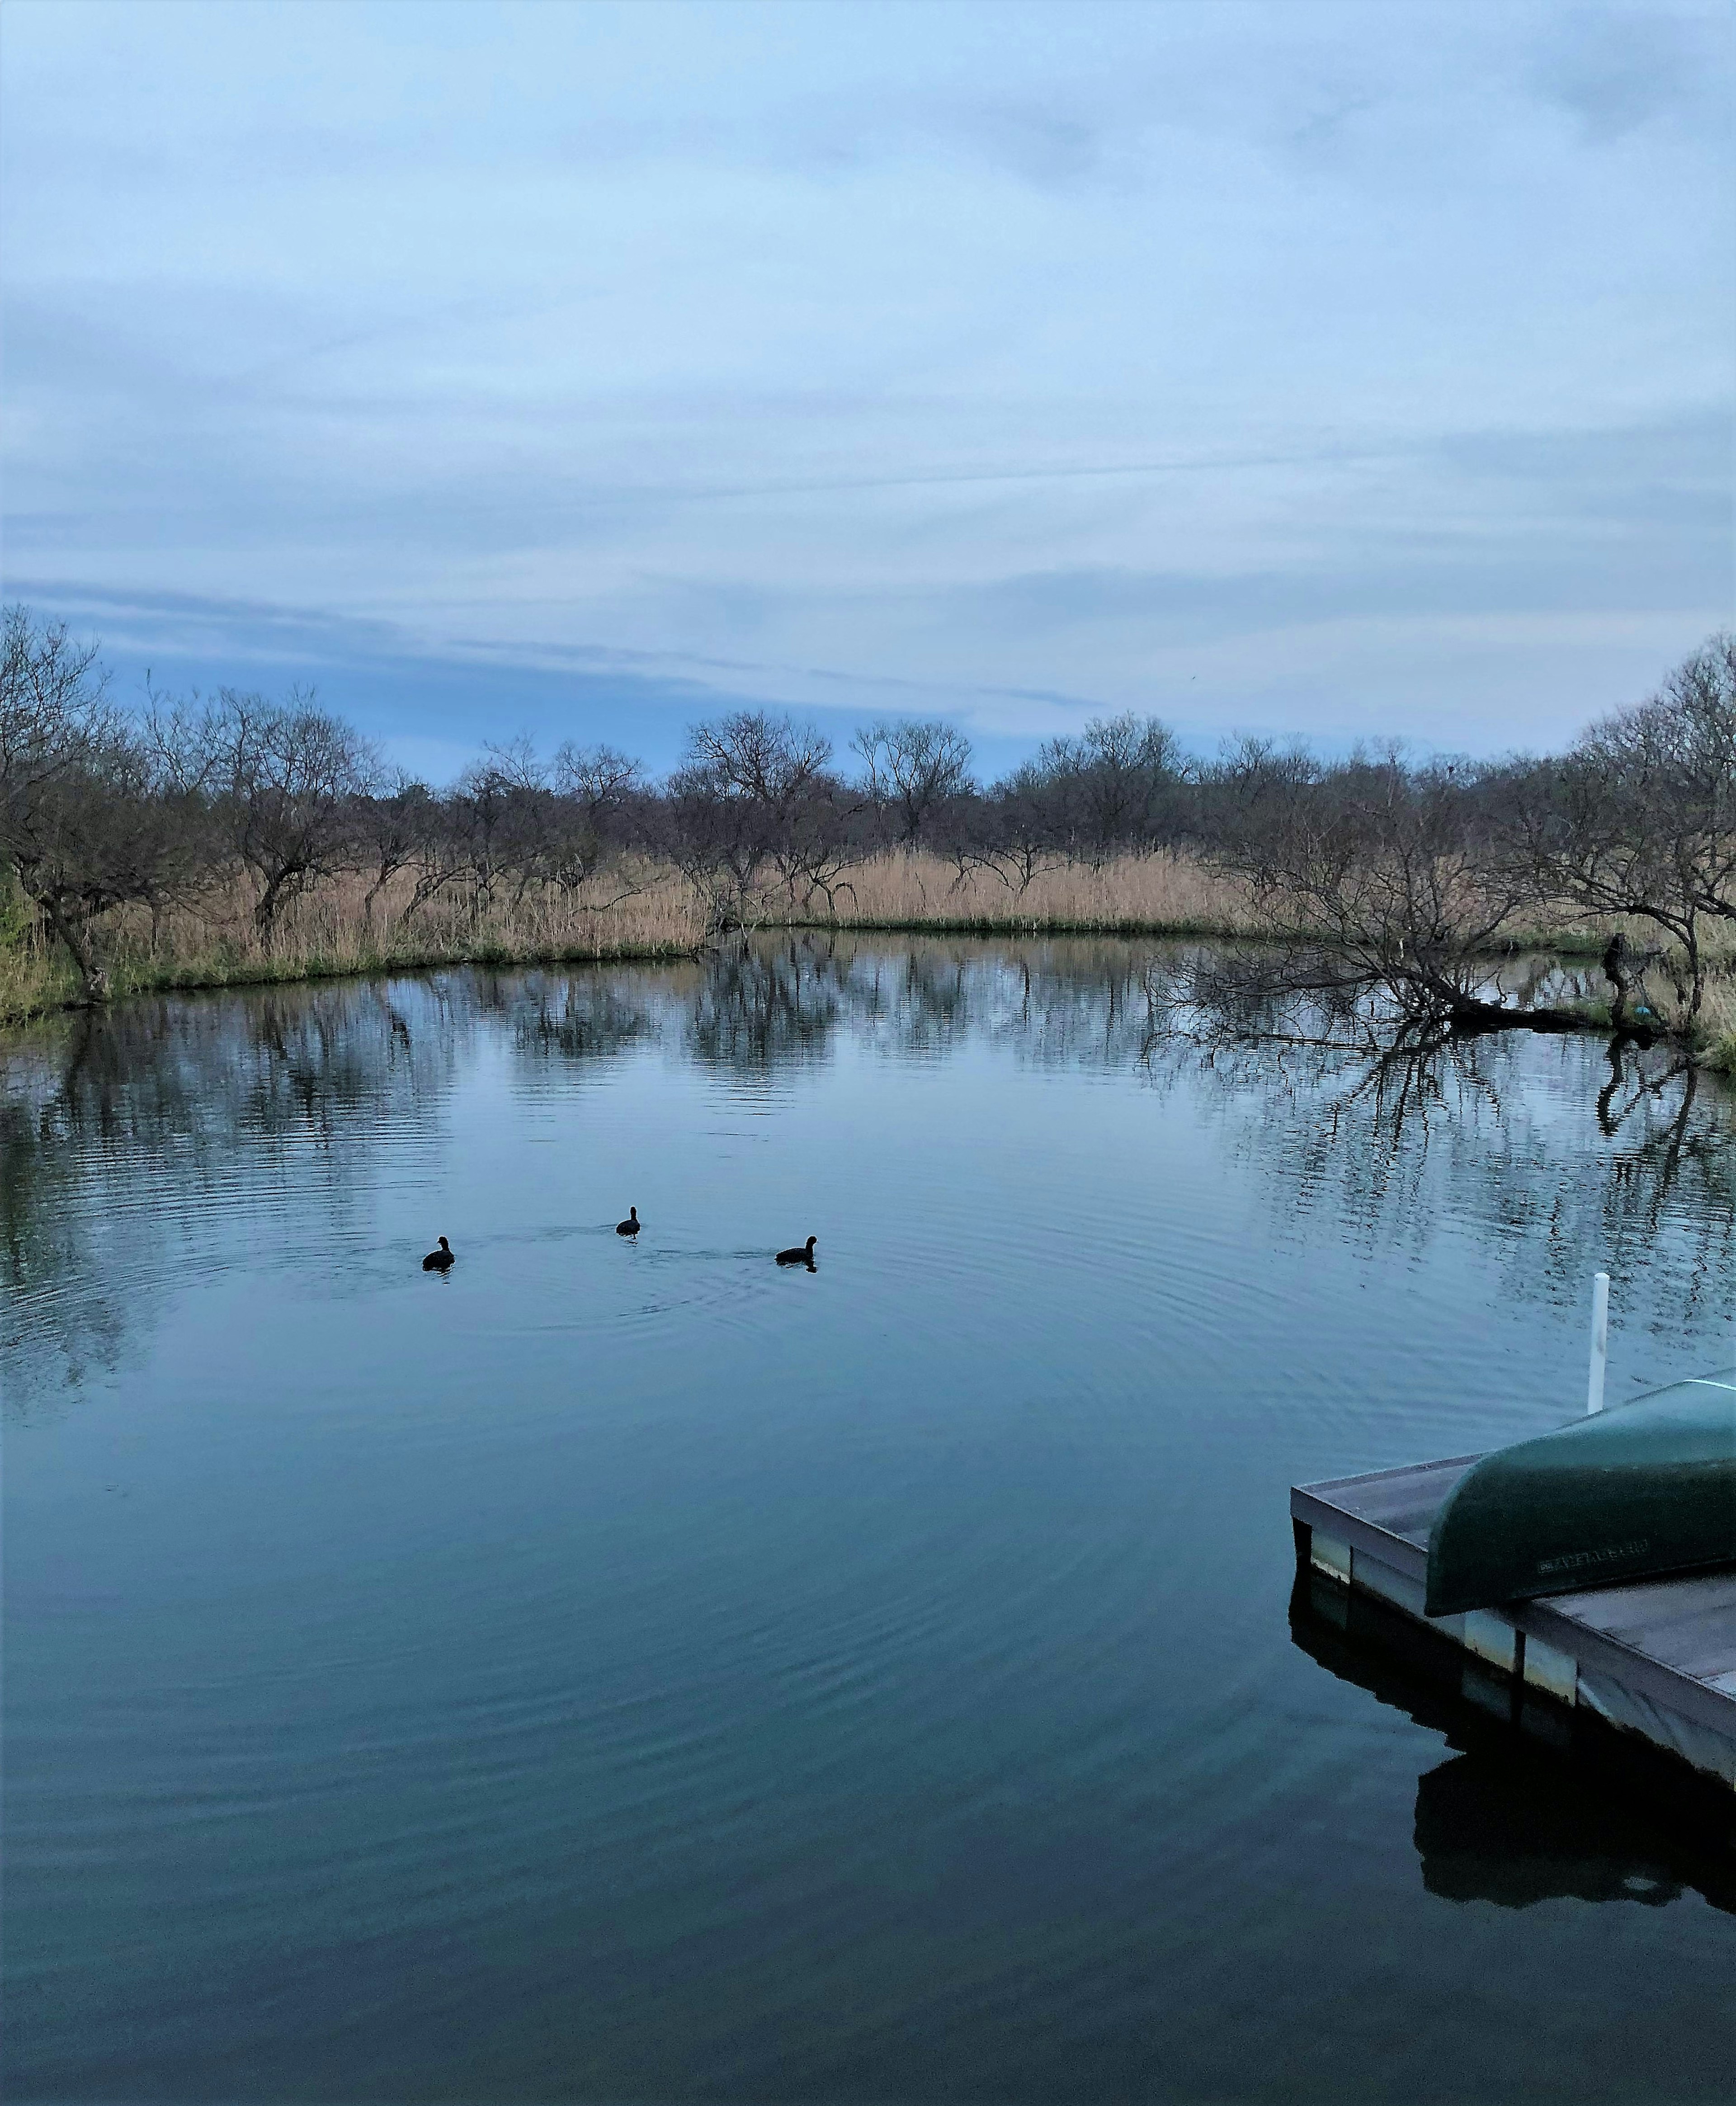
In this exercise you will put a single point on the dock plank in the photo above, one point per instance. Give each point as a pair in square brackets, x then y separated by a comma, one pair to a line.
[1653, 1652]
[1690, 1622]
[1403, 1502]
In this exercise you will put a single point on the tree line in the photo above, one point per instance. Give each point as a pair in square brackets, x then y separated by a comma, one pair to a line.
[1379, 871]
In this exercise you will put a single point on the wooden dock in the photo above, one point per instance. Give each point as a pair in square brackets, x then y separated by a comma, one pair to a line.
[1655, 1659]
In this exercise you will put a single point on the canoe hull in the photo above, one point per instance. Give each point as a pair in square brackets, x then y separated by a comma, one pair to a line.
[1636, 1492]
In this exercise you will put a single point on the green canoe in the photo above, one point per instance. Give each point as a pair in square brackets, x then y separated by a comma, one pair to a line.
[1642, 1490]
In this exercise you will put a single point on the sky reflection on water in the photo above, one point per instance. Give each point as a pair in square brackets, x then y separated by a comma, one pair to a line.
[628, 1670]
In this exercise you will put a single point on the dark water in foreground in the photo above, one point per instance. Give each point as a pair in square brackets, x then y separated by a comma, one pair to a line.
[634, 1672]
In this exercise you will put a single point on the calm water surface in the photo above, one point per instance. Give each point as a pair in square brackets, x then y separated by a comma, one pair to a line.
[633, 1672]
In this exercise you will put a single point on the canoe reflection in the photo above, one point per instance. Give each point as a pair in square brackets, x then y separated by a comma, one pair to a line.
[1538, 1804]
[1489, 1831]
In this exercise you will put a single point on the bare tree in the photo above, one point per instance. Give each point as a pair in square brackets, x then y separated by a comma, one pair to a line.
[437, 855]
[755, 797]
[910, 769]
[1109, 787]
[598, 790]
[1639, 818]
[281, 781]
[392, 830]
[53, 704]
[490, 817]
[87, 824]
[599, 778]
[1024, 833]
[1380, 880]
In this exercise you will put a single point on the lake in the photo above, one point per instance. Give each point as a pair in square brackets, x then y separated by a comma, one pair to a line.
[626, 1670]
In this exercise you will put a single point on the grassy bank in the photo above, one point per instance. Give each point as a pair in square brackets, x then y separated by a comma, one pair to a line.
[1154, 895]
[339, 931]
[644, 912]
[650, 912]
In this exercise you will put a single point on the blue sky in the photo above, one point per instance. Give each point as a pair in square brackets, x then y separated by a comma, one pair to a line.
[1336, 370]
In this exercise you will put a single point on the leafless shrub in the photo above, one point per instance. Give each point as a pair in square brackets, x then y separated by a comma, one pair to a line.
[912, 771]
[1112, 789]
[1380, 878]
[89, 822]
[756, 800]
[278, 782]
[1638, 819]
[1022, 834]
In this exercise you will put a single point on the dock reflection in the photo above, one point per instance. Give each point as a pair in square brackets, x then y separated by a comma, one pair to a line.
[1536, 1803]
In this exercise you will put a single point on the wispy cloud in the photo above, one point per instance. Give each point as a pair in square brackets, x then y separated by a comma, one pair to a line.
[1312, 365]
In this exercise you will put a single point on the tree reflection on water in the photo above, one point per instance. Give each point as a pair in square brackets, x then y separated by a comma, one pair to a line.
[157, 1118]
[1620, 1162]
[146, 1124]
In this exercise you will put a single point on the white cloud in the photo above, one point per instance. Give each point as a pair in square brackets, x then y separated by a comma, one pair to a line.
[975, 354]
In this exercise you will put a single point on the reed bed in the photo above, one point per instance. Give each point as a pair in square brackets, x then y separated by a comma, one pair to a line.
[638, 911]
[1717, 1032]
[647, 911]
[652, 914]
[29, 983]
[1159, 895]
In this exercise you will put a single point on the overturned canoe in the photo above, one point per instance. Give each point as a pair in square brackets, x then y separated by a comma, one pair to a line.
[1638, 1491]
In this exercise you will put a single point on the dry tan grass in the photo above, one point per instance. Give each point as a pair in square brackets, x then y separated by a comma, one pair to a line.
[648, 911]
[1717, 1032]
[651, 911]
[1155, 895]
[214, 943]
[28, 983]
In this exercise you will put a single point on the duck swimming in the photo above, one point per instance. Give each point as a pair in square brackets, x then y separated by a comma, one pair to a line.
[437, 1261]
[631, 1226]
[803, 1254]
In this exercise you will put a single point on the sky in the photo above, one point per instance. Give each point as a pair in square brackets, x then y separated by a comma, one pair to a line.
[1335, 370]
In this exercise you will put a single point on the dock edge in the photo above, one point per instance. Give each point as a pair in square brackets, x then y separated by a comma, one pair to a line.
[1532, 1643]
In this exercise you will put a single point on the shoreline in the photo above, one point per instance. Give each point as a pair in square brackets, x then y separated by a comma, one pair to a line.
[201, 977]
[353, 929]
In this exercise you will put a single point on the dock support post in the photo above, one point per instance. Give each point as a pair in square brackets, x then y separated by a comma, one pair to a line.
[1599, 1340]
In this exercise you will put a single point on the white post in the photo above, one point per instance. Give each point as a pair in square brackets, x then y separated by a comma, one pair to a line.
[1599, 1340]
